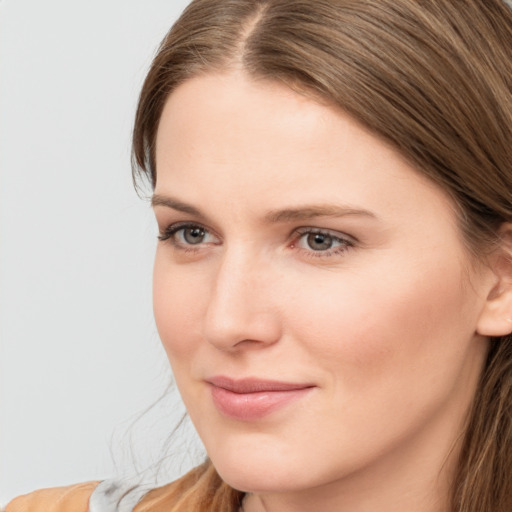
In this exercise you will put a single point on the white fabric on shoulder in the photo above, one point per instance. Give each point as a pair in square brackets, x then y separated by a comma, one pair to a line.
[117, 495]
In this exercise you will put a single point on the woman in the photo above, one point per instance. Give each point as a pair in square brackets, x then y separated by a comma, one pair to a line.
[333, 280]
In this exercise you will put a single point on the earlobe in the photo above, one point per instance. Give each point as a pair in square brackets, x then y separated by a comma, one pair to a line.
[496, 317]
[491, 324]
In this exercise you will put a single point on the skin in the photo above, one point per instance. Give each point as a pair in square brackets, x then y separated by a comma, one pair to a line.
[384, 324]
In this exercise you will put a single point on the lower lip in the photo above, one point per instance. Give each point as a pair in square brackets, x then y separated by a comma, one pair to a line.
[253, 406]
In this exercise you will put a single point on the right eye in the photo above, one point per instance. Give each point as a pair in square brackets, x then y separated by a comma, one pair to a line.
[192, 235]
[185, 236]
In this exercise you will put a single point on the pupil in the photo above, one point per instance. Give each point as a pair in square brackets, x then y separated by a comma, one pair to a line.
[194, 235]
[319, 242]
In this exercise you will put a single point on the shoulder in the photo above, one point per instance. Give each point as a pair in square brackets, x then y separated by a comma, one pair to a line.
[201, 489]
[104, 496]
[167, 497]
[74, 498]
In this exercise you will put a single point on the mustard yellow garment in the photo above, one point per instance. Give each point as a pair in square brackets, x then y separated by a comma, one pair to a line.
[75, 498]
[199, 490]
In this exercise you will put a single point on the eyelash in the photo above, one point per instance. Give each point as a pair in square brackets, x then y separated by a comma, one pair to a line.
[345, 242]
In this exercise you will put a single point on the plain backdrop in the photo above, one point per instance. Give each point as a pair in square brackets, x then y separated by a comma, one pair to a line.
[80, 357]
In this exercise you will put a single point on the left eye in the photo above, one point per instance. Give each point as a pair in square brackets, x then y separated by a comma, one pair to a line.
[320, 241]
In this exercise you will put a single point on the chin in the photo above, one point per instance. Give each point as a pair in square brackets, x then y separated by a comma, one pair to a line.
[265, 470]
[248, 478]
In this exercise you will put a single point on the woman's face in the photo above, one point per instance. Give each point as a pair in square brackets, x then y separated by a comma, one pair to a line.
[311, 289]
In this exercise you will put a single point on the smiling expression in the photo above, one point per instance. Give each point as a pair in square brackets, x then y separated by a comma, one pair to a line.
[298, 249]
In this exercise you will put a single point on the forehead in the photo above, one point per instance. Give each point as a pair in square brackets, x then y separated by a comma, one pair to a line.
[226, 136]
[219, 112]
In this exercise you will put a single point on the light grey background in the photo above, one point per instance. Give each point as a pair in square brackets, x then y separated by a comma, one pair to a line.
[79, 352]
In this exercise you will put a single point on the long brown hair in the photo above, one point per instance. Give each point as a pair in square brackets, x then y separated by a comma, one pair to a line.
[431, 77]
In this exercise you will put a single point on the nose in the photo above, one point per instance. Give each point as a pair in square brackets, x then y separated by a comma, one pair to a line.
[242, 312]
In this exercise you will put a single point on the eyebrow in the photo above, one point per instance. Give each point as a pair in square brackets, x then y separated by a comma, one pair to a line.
[170, 202]
[312, 211]
[300, 213]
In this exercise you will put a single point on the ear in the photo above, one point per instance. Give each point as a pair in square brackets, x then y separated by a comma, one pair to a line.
[496, 317]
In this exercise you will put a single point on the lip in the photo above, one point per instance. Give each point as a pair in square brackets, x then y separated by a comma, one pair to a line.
[251, 399]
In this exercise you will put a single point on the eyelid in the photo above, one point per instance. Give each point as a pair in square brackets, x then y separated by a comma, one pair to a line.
[339, 235]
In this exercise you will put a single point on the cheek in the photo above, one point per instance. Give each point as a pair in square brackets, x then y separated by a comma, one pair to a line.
[387, 327]
[177, 301]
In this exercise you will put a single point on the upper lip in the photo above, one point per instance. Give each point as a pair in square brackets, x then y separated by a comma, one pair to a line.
[254, 385]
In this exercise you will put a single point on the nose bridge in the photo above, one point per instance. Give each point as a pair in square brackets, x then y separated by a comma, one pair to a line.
[240, 307]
